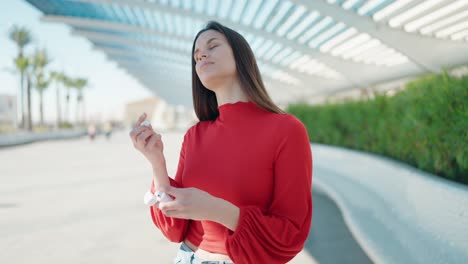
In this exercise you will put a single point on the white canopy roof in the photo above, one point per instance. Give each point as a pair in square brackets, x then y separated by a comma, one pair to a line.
[305, 49]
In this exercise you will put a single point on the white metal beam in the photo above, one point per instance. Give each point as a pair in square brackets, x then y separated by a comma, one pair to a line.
[145, 65]
[127, 41]
[319, 83]
[429, 54]
[340, 65]
[181, 92]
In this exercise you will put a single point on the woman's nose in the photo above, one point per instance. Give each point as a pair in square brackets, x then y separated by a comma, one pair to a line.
[201, 55]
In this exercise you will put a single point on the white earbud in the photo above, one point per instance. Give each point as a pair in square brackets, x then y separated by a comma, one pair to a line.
[145, 123]
[163, 197]
[151, 199]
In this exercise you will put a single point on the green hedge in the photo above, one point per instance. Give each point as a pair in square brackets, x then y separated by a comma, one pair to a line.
[425, 125]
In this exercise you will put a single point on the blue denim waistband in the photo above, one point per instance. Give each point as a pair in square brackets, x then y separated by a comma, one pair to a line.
[185, 255]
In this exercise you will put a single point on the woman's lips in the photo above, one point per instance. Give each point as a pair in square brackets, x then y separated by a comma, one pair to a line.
[205, 64]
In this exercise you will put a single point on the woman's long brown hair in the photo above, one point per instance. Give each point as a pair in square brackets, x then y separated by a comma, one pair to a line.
[204, 100]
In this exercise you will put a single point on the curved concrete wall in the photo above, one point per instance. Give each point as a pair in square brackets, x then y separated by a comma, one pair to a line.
[8, 140]
[397, 213]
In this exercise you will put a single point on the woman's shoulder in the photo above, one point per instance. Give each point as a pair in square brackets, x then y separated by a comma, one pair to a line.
[287, 119]
[192, 128]
[288, 125]
[199, 125]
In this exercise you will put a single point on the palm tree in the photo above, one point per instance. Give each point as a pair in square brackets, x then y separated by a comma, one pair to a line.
[80, 84]
[58, 78]
[69, 84]
[40, 61]
[29, 125]
[23, 65]
[41, 85]
[22, 37]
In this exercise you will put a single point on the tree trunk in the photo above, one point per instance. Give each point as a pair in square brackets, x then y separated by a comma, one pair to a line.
[67, 106]
[78, 107]
[28, 97]
[22, 122]
[59, 111]
[77, 118]
[84, 110]
[41, 108]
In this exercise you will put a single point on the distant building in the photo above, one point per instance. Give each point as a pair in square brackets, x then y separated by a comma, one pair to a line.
[8, 115]
[134, 109]
[163, 117]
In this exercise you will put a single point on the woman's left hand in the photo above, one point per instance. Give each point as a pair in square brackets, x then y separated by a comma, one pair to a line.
[189, 203]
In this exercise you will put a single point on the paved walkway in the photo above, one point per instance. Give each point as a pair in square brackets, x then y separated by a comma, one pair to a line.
[77, 201]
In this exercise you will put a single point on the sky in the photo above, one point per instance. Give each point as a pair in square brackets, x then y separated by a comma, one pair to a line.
[110, 87]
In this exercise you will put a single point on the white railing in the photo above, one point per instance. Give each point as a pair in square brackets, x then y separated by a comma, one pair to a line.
[398, 214]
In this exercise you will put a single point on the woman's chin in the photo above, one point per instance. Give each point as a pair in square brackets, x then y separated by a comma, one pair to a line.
[209, 82]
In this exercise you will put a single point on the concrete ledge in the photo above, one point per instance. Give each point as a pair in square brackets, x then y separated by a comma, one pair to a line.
[9, 140]
[398, 214]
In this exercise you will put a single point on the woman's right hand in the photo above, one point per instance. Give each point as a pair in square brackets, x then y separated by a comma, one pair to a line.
[148, 142]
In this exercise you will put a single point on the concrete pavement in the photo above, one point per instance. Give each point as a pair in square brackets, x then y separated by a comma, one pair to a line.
[80, 201]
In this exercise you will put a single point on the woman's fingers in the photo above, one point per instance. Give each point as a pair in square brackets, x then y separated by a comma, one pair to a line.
[180, 207]
[143, 136]
[169, 207]
[154, 139]
[173, 191]
[136, 132]
[140, 120]
[170, 213]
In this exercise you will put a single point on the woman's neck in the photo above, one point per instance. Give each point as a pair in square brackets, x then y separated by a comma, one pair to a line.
[231, 93]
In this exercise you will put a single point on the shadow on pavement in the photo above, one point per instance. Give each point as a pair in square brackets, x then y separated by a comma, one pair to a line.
[329, 240]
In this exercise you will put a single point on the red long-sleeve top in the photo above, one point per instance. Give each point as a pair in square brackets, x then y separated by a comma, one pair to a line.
[261, 162]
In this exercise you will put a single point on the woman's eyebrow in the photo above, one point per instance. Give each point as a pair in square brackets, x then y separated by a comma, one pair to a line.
[208, 42]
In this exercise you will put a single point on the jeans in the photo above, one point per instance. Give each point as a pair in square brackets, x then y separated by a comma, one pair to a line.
[186, 256]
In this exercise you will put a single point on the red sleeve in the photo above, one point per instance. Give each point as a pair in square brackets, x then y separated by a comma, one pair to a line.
[172, 228]
[279, 234]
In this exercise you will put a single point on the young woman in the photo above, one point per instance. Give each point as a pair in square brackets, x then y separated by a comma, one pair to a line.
[242, 191]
